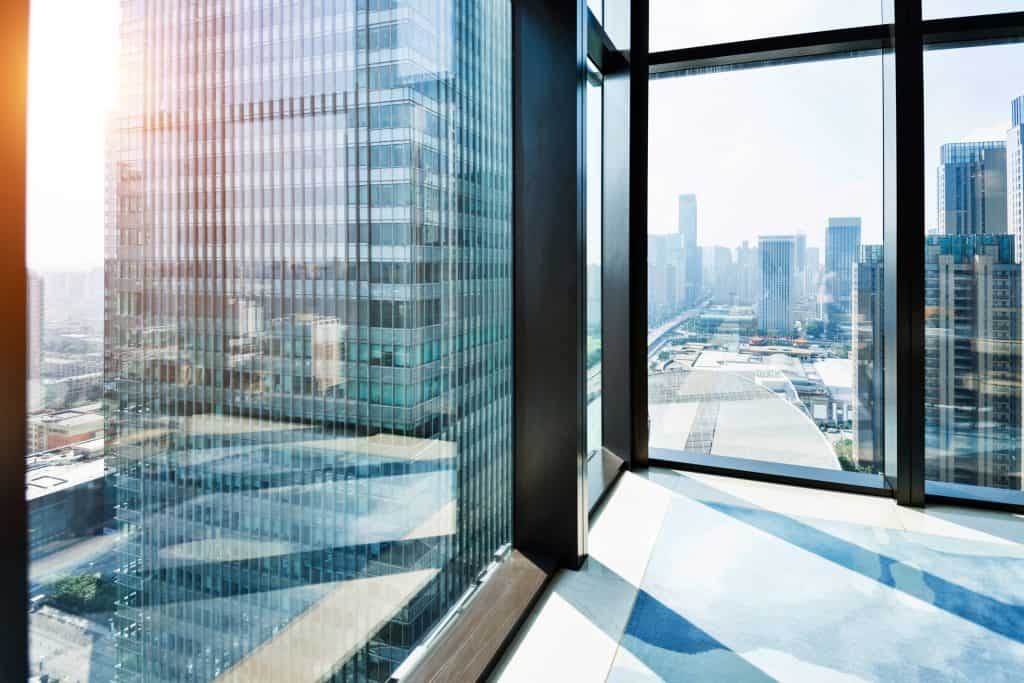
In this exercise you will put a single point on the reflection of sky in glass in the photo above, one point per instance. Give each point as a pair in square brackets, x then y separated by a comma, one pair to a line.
[677, 24]
[937, 9]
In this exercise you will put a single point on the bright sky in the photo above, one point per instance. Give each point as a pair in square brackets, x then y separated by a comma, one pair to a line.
[772, 150]
[72, 83]
[778, 150]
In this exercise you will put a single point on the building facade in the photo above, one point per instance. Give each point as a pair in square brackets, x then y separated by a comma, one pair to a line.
[778, 260]
[868, 354]
[972, 188]
[842, 248]
[1015, 176]
[692, 267]
[972, 360]
[308, 330]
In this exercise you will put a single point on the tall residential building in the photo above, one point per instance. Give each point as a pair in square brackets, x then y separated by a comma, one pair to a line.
[1015, 176]
[308, 330]
[972, 360]
[778, 260]
[972, 188]
[842, 247]
[868, 354]
[35, 342]
[692, 270]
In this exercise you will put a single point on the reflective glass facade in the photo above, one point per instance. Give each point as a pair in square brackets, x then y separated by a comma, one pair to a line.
[308, 330]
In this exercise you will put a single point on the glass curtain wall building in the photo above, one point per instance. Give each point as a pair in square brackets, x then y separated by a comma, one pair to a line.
[308, 330]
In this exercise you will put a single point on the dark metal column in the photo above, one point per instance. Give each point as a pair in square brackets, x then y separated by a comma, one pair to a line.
[14, 565]
[638, 122]
[549, 106]
[904, 263]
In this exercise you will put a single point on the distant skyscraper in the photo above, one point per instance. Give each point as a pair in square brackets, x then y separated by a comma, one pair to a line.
[1015, 176]
[35, 342]
[972, 188]
[842, 247]
[973, 360]
[688, 218]
[692, 270]
[812, 271]
[748, 275]
[778, 259]
[309, 329]
[868, 354]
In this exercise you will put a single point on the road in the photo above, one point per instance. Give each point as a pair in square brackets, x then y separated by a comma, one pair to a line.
[93, 554]
[655, 338]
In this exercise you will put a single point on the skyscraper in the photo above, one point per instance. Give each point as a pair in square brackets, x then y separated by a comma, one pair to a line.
[972, 188]
[778, 259]
[868, 354]
[973, 360]
[693, 265]
[1015, 176]
[309, 331]
[748, 272]
[842, 247]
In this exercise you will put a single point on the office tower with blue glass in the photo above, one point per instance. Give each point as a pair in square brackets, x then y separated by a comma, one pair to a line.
[308, 372]
[973, 324]
[972, 188]
[868, 355]
[777, 261]
[842, 247]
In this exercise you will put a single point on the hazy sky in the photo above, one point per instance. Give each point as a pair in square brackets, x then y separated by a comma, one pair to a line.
[780, 149]
[771, 150]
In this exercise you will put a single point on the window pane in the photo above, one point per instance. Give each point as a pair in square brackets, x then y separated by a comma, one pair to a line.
[939, 9]
[277, 409]
[973, 265]
[765, 264]
[596, 8]
[595, 106]
[676, 25]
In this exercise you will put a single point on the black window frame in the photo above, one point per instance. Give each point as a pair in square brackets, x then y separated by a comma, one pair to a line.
[904, 40]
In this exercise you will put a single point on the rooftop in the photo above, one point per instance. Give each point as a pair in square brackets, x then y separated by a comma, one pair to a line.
[44, 481]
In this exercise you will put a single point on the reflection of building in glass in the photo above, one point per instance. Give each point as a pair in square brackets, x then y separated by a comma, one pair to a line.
[868, 354]
[973, 360]
[778, 259]
[972, 188]
[842, 247]
[308, 331]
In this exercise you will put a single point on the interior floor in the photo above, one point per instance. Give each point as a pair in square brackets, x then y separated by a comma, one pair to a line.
[697, 577]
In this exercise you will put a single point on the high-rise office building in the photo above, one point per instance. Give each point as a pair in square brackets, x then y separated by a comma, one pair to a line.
[1015, 176]
[692, 271]
[868, 354]
[973, 360]
[842, 247]
[778, 260]
[35, 342]
[972, 188]
[308, 331]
